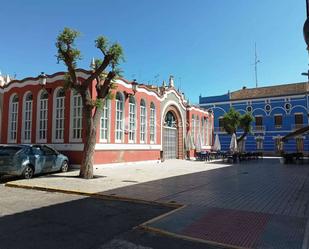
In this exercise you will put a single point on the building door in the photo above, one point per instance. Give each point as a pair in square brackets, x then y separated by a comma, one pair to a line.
[299, 144]
[170, 136]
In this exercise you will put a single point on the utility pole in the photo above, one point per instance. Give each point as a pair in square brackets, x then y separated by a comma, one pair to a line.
[306, 33]
[256, 61]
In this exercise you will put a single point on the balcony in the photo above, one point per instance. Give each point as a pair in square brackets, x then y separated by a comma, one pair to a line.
[297, 126]
[258, 128]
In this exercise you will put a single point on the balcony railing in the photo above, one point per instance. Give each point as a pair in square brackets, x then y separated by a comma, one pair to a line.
[297, 126]
[259, 128]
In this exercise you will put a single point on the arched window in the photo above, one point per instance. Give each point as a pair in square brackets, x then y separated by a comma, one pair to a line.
[76, 116]
[42, 116]
[27, 118]
[104, 124]
[203, 131]
[58, 115]
[210, 131]
[193, 127]
[207, 130]
[13, 119]
[143, 122]
[152, 123]
[119, 117]
[132, 120]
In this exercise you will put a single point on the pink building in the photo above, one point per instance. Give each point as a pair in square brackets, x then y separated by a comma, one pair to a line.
[139, 124]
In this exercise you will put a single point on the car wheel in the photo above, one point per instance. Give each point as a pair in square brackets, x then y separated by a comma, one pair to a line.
[64, 167]
[28, 172]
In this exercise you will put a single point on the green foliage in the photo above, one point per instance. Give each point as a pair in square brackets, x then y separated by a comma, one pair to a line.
[65, 44]
[116, 53]
[233, 120]
[67, 82]
[99, 103]
[245, 122]
[102, 43]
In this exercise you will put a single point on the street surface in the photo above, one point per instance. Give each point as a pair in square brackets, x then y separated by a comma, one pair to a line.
[31, 219]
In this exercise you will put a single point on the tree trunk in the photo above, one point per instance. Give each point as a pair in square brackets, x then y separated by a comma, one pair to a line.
[92, 121]
[86, 168]
[242, 137]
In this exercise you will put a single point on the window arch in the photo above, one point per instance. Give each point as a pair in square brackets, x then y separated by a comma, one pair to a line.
[143, 121]
[58, 115]
[27, 117]
[202, 131]
[132, 119]
[42, 111]
[119, 117]
[193, 127]
[13, 119]
[152, 123]
[104, 122]
[76, 116]
[207, 130]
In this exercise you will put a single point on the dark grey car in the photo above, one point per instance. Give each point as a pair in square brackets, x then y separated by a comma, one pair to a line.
[28, 160]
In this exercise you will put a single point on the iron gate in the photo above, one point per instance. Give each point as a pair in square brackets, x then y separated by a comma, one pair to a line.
[170, 143]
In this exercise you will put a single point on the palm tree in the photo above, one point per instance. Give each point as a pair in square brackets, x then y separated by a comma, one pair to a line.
[233, 121]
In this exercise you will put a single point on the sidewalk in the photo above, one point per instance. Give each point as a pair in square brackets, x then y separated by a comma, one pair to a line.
[256, 204]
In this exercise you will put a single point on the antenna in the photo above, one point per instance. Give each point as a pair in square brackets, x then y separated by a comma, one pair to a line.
[255, 66]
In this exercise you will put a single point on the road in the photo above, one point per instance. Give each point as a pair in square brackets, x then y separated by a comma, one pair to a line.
[31, 219]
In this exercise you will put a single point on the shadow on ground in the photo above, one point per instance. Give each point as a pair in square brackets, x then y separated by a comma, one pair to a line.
[83, 223]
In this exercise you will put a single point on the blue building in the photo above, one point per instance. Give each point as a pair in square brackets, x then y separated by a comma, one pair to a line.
[277, 110]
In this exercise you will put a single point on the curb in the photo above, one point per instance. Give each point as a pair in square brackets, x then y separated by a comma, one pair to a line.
[95, 195]
[184, 237]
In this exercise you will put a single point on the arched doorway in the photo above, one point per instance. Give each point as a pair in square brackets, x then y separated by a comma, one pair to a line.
[172, 134]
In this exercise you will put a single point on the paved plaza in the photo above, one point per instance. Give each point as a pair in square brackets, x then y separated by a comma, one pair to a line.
[254, 204]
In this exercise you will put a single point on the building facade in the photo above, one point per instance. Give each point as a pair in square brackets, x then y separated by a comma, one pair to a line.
[277, 111]
[144, 123]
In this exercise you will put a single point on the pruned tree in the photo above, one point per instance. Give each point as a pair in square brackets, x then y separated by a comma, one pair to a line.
[233, 120]
[104, 72]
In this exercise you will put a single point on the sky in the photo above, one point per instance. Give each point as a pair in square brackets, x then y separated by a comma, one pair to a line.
[207, 45]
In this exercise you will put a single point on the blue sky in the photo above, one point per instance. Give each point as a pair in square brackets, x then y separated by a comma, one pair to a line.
[207, 45]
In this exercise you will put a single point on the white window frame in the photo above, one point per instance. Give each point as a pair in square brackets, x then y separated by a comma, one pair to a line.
[27, 118]
[13, 119]
[55, 114]
[203, 130]
[132, 120]
[152, 123]
[207, 131]
[76, 117]
[105, 120]
[42, 117]
[259, 144]
[143, 122]
[119, 119]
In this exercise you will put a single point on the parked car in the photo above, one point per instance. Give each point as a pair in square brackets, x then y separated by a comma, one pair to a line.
[29, 160]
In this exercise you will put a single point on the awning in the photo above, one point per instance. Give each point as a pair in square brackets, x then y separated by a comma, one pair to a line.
[298, 132]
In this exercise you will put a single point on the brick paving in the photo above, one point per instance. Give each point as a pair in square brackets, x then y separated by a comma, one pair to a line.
[255, 204]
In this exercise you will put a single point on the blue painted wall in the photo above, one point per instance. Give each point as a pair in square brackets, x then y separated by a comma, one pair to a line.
[298, 104]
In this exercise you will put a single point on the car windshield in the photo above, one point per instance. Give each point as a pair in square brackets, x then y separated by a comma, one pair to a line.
[9, 150]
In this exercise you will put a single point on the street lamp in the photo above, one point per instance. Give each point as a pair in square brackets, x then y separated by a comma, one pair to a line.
[42, 79]
[134, 86]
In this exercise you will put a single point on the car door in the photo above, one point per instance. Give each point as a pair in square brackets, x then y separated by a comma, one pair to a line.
[50, 158]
